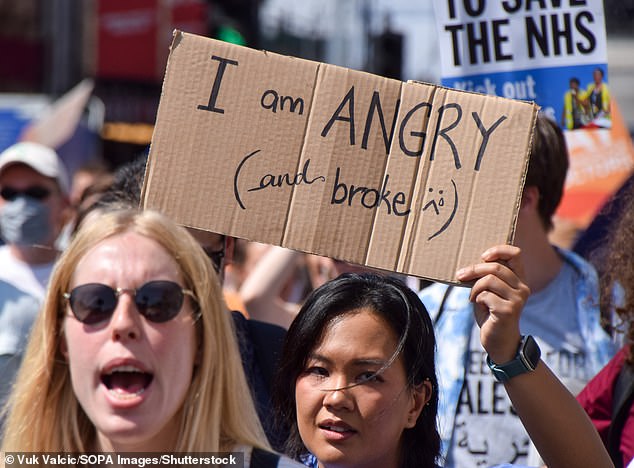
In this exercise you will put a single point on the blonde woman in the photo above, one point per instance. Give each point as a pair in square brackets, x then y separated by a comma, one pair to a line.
[133, 351]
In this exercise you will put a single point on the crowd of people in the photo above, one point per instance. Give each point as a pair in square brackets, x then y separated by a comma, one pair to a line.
[121, 331]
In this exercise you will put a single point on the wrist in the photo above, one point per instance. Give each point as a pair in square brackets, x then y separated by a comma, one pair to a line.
[503, 350]
[526, 359]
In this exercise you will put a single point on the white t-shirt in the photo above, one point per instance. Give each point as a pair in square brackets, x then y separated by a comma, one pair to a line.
[22, 290]
[32, 279]
[487, 430]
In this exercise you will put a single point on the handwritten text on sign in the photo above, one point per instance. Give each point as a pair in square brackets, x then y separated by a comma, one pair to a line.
[407, 177]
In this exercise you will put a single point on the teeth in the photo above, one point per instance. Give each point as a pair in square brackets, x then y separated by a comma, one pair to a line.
[336, 429]
[123, 395]
[125, 390]
[124, 369]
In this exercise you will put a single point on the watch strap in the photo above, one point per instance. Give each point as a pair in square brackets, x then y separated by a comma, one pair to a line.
[525, 360]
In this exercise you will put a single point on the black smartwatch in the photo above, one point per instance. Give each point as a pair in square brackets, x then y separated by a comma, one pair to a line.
[526, 360]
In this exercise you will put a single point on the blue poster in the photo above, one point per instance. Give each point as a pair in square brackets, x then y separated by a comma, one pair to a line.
[552, 52]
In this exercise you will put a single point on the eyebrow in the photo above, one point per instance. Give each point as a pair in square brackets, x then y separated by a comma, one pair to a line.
[360, 362]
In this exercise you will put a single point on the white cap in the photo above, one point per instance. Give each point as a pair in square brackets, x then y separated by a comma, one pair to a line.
[38, 157]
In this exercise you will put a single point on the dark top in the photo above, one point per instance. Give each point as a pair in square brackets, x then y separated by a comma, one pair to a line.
[597, 397]
[260, 348]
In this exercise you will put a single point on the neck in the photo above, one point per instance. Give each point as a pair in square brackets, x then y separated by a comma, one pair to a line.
[389, 460]
[541, 261]
[33, 255]
[141, 439]
[124, 445]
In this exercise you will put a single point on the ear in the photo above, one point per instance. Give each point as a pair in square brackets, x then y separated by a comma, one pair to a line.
[530, 198]
[420, 396]
[63, 346]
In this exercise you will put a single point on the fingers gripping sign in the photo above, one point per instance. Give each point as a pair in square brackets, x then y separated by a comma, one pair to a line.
[499, 294]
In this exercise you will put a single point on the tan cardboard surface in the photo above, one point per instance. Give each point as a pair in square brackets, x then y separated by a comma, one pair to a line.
[408, 177]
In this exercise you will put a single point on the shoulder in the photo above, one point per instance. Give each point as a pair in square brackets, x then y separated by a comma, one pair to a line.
[21, 303]
[265, 330]
[257, 328]
[6, 257]
[574, 259]
[8, 261]
[598, 392]
[584, 268]
[259, 342]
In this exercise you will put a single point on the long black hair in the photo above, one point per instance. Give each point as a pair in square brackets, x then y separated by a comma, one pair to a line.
[399, 307]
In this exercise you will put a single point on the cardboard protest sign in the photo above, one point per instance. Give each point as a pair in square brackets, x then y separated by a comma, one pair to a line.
[555, 53]
[407, 177]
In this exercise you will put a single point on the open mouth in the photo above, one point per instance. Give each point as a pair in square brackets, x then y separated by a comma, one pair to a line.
[126, 381]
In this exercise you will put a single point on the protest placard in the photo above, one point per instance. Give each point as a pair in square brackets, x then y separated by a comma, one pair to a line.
[553, 52]
[407, 177]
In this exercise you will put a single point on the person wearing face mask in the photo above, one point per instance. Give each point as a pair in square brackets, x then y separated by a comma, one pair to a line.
[34, 189]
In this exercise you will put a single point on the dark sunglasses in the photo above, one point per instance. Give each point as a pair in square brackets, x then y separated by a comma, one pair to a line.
[157, 301]
[36, 192]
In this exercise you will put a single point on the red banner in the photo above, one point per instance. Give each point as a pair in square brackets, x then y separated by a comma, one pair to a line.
[133, 36]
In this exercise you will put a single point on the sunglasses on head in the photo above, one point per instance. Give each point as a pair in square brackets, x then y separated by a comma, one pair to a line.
[37, 192]
[157, 301]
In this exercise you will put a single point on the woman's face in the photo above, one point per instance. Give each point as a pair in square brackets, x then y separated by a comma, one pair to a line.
[362, 425]
[130, 375]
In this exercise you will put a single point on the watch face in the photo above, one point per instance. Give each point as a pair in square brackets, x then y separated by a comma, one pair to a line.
[531, 352]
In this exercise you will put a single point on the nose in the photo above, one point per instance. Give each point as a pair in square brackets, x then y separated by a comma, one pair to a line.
[125, 321]
[340, 397]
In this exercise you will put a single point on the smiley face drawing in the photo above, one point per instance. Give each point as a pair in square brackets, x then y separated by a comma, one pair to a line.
[438, 206]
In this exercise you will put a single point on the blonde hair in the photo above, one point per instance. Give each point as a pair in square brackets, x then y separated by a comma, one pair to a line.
[218, 413]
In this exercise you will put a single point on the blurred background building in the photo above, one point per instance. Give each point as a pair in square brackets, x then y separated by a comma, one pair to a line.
[48, 47]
